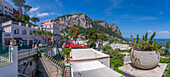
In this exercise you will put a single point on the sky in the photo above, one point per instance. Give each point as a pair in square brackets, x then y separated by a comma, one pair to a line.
[131, 16]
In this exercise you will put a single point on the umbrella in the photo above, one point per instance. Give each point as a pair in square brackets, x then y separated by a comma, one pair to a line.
[77, 45]
[84, 46]
[71, 43]
[68, 45]
[65, 39]
[73, 46]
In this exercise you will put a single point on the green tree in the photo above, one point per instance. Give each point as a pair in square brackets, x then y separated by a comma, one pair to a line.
[35, 19]
[74, 33]
[26, 17]
[34, 33]
[66, 52]
[19, 4]
[91, 36]
[27, 8]
[102, 37]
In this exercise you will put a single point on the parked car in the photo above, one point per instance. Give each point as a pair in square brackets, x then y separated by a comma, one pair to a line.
[42, 45]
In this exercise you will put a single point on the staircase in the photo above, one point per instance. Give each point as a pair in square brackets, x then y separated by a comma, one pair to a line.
[52, 67]
[53, 60]
[67, 71]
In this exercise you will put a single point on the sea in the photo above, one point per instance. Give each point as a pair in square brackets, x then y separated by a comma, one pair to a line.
[159, 40]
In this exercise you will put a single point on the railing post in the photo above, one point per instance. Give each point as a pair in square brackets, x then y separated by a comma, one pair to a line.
[10, 54]
[29, 53]
[70, 71]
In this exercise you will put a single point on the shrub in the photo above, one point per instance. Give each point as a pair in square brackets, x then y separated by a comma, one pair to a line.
[165, 61]
[1, 14]
[106, 48]
[116, 63]
[144, 44]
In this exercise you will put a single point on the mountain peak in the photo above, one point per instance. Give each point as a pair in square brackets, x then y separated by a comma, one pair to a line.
[84, 21]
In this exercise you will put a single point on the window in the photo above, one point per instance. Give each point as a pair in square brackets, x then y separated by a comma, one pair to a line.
[16, 31]
[30, 63]
[5, 11]
[24, 32]
[6, 7]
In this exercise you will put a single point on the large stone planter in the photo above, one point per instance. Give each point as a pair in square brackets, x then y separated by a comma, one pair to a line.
[145, 59]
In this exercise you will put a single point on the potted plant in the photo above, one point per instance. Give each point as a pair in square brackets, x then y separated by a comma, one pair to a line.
[145, 53]
[13, 42]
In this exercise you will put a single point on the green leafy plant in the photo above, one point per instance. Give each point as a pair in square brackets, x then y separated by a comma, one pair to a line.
[13, 40]
[144, 44]
[66, 52]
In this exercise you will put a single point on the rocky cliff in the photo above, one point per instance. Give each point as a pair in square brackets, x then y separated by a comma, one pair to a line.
[82, 20]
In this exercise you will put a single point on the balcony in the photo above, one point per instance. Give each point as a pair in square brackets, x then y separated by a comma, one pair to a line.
[5, 55]
[8, 23]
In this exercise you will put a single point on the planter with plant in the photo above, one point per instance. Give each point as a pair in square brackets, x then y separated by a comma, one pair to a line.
[145, 53]
[13, 42]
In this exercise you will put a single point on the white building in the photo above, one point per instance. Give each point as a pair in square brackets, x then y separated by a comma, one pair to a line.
[91, 63]
[6, 8]
[82, 42]
[120, 46]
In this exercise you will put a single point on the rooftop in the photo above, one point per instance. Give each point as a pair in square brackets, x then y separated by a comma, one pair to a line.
[93, 69]
[86, 54]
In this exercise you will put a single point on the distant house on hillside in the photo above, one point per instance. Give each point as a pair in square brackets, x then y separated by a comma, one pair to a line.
[120, 46]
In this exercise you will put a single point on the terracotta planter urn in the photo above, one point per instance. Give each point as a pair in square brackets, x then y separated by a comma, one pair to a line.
[145, 59]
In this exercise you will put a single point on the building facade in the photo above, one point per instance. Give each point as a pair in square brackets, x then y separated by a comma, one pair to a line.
[120, 46]
[51, 26]
[6, 8]
[21, 32]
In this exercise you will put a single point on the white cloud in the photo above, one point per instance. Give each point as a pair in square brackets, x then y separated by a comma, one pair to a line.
[159, 32]
[147, 18]
[34, 9]
[59, 3]
[115, 4]
[163, 32]
[150, 31]
[31, 16]
[160, 12]
[44, 14]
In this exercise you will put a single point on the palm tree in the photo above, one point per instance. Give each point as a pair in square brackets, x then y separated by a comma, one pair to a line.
[74, 33]
[35, 19]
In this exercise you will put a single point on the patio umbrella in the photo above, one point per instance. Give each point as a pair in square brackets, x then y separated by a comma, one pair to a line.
[71, 43]
[77, 45]
[65, 39]
[84, 46]
[68, 45]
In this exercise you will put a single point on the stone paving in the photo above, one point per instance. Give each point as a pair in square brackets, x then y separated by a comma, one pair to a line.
[130, 70]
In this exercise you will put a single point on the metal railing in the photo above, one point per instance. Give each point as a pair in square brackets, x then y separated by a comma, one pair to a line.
[53, 60]
[33, 51]
[65, 71]
[5, 55]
